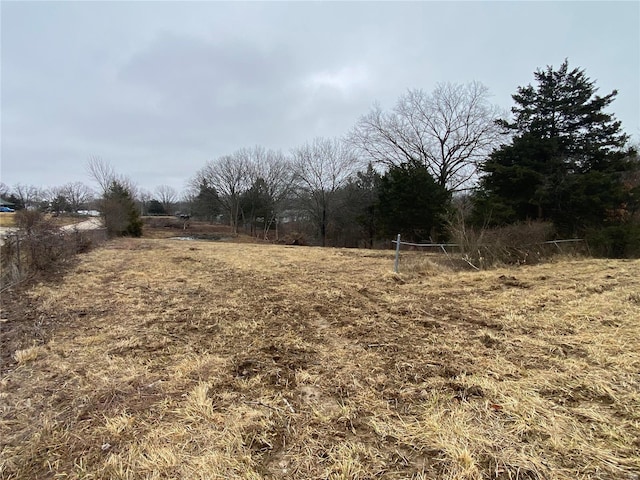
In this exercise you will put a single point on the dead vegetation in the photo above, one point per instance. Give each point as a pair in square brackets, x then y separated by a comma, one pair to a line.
[7, 219]
[519, 244]
[198, 360]
[40, 248]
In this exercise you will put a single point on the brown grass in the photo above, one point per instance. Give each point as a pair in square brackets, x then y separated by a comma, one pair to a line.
[162, 227]
[163, 359]
[63, 220]
[7, 219]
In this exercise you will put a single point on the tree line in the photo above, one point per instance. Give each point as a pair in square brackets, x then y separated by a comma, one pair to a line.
[395, 171]
[434, 158]
[445, 156]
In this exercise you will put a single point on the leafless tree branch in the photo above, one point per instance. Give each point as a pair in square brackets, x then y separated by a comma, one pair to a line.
[450, 130]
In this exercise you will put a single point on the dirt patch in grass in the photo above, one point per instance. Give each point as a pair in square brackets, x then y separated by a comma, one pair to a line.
[165, 359]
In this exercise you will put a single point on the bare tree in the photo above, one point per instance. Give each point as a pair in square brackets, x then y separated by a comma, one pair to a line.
[5, 191]
[57, 200]
[144, 197]
[29, 196]
[77, 194]
[321, 168]
[102, 172]
[121, 217]
[272, 171]
[450, 131]
[229, 176]
[167, 196]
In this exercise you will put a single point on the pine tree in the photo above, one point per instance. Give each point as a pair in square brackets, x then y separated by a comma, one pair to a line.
[156, 208]
[257, 203]
[356, 217]
[365, 186]
[565, 160]
[120, 213]
[206, 205]
[411, 202]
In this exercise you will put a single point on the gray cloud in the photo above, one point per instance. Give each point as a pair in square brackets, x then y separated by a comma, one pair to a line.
[158, 88]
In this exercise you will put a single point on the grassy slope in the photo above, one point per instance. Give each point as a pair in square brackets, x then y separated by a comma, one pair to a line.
[168, 359]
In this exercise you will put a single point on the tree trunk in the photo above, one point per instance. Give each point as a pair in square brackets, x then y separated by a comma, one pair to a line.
[323, 227]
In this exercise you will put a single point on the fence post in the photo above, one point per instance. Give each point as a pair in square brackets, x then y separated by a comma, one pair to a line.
[397, 262]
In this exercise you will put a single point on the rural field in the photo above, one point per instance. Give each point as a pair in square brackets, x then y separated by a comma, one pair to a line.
[167, 359]
[7, 219]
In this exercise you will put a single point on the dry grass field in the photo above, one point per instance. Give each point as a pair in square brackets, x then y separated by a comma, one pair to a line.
[7, 219]
[167, 359]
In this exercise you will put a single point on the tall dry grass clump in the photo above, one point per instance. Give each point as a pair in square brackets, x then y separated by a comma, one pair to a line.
[518, 244]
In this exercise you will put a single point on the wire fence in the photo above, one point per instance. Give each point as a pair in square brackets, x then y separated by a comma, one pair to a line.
[443, 247]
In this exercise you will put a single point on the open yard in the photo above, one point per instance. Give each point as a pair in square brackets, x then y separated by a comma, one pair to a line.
[168, 359]
[7, 219]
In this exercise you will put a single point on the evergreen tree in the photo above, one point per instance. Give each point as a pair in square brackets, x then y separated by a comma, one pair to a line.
[355, 221]
[366, 188]
[257, 205]
[566, 158]
[60, 204]
[206, 205]
[411, 202]
[156, 208]
[120, 213]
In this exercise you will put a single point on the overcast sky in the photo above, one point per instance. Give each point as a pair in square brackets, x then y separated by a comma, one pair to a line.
[159, 88]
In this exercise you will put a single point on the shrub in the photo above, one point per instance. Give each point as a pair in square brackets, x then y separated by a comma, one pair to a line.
[121, 216]
[40, 247]
[42, 242]
[615, 241]
[294, 238]
[512, 244]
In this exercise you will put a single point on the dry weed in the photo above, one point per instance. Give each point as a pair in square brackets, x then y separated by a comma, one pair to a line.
[198, 360]
[7, 219]
[27, 355]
